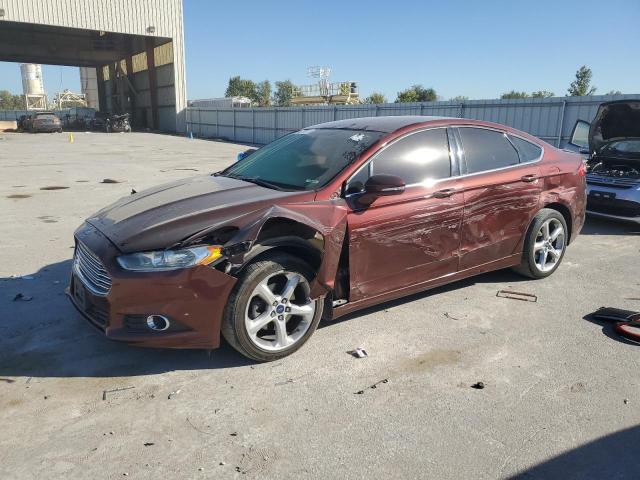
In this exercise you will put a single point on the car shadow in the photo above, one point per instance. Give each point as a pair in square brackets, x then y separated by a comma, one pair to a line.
[602, 226]
[43, 335]
[607, 329]
[611, 456]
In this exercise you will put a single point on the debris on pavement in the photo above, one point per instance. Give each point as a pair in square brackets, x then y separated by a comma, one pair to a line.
[110, 180]
[478, 385]
[133, 191]
[450, 317]
[525, 297]
[173, 394]
[106, 392]
[372, 387]
[149, 444]
[53, 187]
[358, 353]
[20, 297]
[616, 314]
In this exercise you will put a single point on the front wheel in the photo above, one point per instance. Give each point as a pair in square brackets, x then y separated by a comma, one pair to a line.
[545, 244]
[269, 314]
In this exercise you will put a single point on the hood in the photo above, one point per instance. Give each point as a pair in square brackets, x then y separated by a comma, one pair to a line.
[614, 120]
[163, 216]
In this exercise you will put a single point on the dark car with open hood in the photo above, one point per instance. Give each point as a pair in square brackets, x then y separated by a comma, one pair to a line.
[320, 223]
[612, 142]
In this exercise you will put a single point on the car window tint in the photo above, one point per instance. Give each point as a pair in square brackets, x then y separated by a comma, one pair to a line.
[417, 158]
[486, 149]
[528, 151]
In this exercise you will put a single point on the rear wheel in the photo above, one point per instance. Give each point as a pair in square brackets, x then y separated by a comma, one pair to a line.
[270, 315]
[544, 245]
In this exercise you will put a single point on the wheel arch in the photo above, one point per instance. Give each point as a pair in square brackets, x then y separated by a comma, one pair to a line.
[566, 213]
[288, 236]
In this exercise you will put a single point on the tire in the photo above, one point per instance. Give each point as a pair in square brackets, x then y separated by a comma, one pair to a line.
[250, 305]
[548, 242]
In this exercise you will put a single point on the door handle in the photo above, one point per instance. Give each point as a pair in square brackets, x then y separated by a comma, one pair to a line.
[447, 192]
[529, 178]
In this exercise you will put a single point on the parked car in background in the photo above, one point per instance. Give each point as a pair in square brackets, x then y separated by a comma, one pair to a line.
[330, 219]
[612, 142]
[43, 122]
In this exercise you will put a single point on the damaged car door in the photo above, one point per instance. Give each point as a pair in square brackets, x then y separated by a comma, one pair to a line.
[409, 235]
[501, 193]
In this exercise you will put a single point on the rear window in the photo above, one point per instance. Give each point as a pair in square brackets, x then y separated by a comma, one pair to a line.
[528, 151]
[487, 149]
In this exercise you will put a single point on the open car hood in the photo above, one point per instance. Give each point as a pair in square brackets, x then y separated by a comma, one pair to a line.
[614, 120]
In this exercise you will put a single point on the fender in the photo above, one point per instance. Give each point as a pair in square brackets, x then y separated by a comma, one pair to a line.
[328, 218]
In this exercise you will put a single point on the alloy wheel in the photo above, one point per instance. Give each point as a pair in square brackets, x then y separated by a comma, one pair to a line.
[549, 245]
[279, 311]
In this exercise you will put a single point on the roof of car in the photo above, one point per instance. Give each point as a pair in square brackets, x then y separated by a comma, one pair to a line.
[386, 124]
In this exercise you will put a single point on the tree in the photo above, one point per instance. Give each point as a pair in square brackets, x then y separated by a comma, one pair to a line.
[9, 101]
[285, 91]
[417, 93]
[542, 94]
[614, 92]
[263, 93]
[375, 97]
[239, 87]
[581, 86]
[513, 95]
[459, 98]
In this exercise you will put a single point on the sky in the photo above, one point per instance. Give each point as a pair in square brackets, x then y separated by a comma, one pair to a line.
[477, 49]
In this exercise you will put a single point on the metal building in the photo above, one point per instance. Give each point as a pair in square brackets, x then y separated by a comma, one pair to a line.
[135, 46]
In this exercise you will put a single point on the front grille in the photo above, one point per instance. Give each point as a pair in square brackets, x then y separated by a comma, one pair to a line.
[98, 316]
[613, 182]
[90, 270]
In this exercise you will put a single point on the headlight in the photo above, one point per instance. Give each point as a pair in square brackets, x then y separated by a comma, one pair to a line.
[169, 259]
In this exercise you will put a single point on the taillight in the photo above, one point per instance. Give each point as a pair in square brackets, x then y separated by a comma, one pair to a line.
[582, 170]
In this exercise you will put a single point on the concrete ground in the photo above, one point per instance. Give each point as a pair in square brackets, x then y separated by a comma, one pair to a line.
[561, 396]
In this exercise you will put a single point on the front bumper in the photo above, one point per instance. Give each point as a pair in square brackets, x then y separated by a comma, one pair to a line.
[193, 299]
[621, 204]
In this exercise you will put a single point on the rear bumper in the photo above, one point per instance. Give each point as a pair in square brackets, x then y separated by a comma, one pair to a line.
[193, 299]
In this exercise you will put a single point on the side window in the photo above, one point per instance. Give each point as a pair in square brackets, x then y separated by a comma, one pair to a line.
[416, 158]
[356, 184]
[528, 151]
[486, 149]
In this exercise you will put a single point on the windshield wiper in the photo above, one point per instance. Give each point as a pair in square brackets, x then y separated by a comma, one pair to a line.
[257, 181]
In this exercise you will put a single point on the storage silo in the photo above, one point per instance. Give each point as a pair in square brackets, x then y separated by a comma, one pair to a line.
[32, 83]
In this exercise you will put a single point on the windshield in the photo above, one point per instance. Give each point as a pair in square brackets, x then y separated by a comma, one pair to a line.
[622, 147]
[304, 160]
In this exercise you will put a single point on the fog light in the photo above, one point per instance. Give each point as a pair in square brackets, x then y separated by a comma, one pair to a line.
[158, 323]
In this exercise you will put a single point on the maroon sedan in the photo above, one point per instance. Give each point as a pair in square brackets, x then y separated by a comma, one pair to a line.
[327, 220]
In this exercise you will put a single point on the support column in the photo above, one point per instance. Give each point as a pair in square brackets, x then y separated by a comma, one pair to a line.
[102, 99]
[153, 83]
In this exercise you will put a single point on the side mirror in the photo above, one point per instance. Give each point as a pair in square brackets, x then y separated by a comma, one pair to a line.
[245, 154]
[580, 135]
[381, 185]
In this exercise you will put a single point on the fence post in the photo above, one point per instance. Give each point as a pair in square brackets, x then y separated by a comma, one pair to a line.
[217, 123]
[377, 109]
[335, 113]
[199, 123]
[275, 123]
[303, 122]
[461, 114]
[560, 128]
[253, 126]
[234, 123]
